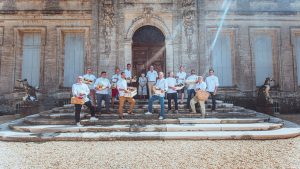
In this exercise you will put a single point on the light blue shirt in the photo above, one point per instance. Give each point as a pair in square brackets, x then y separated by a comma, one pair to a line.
[121, 86]
[162, 84]
[171, 83]
[201, 86]
[103, 82]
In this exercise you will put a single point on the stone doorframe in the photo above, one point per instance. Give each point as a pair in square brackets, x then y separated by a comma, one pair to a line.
[154, 21]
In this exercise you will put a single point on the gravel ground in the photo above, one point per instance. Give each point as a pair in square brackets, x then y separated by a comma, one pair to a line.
[152, 154]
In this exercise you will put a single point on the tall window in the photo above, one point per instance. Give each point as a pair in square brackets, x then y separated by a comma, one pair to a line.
[31, 58]
[298, 58]
[221, 60]
[73, 58]
[263, 58]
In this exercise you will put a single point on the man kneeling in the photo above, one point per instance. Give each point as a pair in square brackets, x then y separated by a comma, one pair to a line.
[201, 85]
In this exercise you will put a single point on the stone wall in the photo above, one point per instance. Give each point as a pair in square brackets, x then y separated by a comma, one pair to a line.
[189, 27]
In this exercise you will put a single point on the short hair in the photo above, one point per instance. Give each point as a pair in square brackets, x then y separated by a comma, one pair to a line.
[103, 72]
[128, 64]
[122, 73]
[211, 69]
[89, 68]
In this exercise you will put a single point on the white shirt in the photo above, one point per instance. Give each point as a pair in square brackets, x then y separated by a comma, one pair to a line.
[115, 78]
[201, 86]
[142, 81]
[192, 78]
[171, 83]
[181, 77]
[163, 85]
[212, 82]
[89, 77]
[81, 88]
[103, 82]
[152, 76]
[122, 84]
[127, 73]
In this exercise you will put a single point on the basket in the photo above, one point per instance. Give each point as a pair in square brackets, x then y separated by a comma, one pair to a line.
[202, 95]
[76, 100]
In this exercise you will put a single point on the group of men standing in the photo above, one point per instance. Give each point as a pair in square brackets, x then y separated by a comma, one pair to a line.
[93, 89]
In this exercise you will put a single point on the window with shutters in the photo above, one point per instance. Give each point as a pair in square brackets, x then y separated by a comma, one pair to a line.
[73, 57]
[31, 57]
[222, 60]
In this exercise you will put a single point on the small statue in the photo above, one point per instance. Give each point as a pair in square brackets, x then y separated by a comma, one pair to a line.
[29, 90]
[264, 101]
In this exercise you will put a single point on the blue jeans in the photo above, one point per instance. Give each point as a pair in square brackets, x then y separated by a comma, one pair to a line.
[104, 97]
[162, 104]
[190, 92]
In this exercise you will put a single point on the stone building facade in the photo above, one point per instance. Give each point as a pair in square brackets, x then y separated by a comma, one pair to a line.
[49, 42]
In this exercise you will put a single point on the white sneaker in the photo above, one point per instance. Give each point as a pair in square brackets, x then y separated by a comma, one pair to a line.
[78, 124]
[160, 118]
[93, 119]
[148, 113]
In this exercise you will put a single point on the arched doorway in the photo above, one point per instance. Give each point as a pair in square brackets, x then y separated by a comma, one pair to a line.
[148, 48]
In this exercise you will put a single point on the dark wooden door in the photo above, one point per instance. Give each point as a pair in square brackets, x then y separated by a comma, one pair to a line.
[146, 55]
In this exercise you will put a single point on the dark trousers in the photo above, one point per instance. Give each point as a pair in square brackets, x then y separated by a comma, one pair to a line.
[78, 110]
[104, 97]
[213, 99]
[173, 96]
[191, 93]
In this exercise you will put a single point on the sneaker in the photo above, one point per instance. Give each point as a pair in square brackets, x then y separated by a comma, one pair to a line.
[148, 113]
[161, 118]
[93, 119]
[176, 112]
[169, 112]
[78, 124]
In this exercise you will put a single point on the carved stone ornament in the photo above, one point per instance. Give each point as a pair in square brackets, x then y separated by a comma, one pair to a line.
[148, 13]
[188, 24]
[109, 22]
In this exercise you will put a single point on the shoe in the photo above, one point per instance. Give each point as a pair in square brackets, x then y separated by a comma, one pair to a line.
[161, 118]
[131, 113]
[148, 113]
[176, 112]
[193, 112]
[78, 124]
[169, 112]
[121, 117]
[93, 119]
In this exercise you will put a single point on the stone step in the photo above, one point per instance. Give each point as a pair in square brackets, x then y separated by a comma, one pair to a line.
[282, 133]
[146, 128]
[140, 114]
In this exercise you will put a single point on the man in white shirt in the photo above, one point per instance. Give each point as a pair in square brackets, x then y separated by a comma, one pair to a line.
[81, 91]
[89, 79]
[128, 71]
[114, 91]
[102, 85]
[122, 88]
[212, 83]
[201, 85]
[151, 77]
[161, 86]
[172, 93]
[181, 76]
[191, 86]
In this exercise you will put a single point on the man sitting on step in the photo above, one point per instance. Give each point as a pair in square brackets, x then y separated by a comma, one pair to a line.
[200, 85]
[160, 87]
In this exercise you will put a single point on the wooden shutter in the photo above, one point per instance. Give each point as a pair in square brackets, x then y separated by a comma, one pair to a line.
[263, 58]
[31, 58]
[222, 60]
[73, 58]
[298, 58]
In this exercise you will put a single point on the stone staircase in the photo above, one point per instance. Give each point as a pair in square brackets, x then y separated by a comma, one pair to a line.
[228, 122]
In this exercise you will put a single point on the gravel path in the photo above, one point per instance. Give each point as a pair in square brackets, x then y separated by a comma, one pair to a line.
[152, 154]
